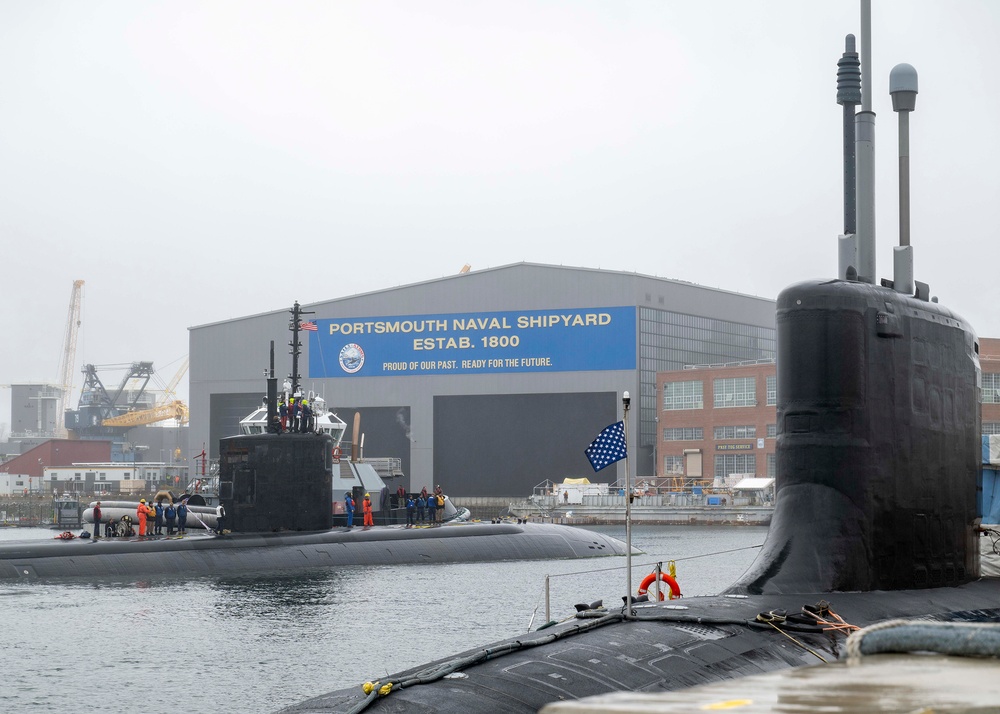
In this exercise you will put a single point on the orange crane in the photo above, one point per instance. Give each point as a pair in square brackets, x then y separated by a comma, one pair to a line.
[171, 410]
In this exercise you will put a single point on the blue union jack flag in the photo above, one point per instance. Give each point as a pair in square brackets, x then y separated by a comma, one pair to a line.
[608, 447]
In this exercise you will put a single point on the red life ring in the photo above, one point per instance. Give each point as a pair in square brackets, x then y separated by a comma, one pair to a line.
[336, 453]
[675, 589]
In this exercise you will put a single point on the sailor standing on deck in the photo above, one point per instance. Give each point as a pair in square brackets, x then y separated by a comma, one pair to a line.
[349, 507]
[432, 508]
[439, 502]
[366, 505]
[306, 419]
[411, 512]
[141, 512]
[158, 519]
[171, 515]
[182, 516]
[97, 520]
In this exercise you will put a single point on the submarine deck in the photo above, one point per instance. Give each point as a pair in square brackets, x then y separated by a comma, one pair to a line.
[666, 647]
[205, 554]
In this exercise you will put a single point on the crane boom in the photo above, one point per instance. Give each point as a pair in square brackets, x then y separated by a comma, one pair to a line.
[172, 410]
[66, 371]
[169, 391]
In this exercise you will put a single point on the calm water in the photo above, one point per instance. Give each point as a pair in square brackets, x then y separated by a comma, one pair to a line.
[256, 644]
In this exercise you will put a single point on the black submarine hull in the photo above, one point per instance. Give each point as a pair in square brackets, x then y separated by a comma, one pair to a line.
[199, 554]
[713, 639]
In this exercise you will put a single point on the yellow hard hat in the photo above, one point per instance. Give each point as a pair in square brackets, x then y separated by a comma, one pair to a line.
[142, 500]
[368, 495]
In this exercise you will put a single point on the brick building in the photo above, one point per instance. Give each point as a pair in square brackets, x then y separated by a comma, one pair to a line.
[989, 361]
[716, 423]
[719, 420]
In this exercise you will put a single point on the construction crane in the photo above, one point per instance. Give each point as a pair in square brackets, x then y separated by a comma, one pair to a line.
[103, 414]
[173, 410]
[66, 371]
[97, 405]
[169, 407]
[168, 392]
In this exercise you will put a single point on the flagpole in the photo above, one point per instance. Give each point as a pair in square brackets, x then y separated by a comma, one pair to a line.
[626, 401]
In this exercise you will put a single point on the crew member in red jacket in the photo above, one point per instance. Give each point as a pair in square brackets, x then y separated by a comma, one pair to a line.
[97, 520]
[367, 506]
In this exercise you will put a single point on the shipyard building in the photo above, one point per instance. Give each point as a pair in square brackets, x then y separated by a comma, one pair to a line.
[486, 382]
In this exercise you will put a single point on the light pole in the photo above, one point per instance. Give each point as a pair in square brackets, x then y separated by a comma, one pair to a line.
[626, 402]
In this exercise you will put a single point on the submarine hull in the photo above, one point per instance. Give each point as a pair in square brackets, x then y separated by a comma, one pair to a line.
[200, 554]
[714, 639]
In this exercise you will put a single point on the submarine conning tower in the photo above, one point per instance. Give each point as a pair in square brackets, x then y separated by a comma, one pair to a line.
[276, 482]
[878, 423]
[877, 444]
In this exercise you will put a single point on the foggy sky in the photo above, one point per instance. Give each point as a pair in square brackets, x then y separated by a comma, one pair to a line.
[199, 161]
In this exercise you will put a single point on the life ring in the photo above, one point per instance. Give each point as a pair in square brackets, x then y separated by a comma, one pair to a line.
[336, 453]
[675, 589]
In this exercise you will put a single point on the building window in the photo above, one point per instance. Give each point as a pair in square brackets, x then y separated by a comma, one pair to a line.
[772, 390]
[772, 468]
[991, 427]
[772, 431]
[735, 392]
[673, 464]
[726, 464]
[745, 431]
[684, 433]
[683, 395]
[991, 388]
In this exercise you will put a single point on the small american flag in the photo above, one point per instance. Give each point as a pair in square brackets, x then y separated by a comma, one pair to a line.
[309, 326]
[608, 447]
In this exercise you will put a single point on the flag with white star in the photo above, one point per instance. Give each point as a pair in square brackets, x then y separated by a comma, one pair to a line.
[608, 447]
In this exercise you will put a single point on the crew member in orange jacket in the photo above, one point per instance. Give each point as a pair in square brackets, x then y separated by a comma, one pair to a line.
[141, 512]
[367, 506]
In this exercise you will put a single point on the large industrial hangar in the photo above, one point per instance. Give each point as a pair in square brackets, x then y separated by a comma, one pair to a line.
[486, 382]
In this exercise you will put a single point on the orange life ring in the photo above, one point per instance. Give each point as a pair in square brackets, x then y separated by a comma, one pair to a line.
[336, 453]
[675, 589]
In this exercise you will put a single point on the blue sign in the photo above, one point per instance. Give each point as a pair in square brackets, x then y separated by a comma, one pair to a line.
[570, 340]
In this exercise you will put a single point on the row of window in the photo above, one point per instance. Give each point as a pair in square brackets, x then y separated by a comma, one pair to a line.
[726, 392]
[725, 464]
[697, 433]
[684, 433]
[742, 392]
